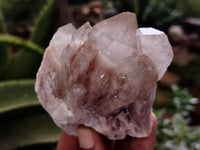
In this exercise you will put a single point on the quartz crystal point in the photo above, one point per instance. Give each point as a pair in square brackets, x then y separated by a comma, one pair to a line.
[103, 76]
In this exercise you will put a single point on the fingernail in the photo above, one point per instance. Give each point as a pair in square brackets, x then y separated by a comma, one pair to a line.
[86, 139]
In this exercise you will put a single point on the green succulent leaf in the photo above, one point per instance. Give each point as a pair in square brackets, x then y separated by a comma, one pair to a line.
[46, 24]
[6, 39]
[2, 24]
[26, 64]
[25, 127]
[23, 121]
[4, 50]
[17, 94]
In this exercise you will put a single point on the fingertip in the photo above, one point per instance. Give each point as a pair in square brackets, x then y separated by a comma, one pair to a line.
[154, 118]
[154, 126]
[90, 139]
[86, 138]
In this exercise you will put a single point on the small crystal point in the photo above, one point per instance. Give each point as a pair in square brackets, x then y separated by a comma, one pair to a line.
[152, 43]
[120, 28]
[104, 76]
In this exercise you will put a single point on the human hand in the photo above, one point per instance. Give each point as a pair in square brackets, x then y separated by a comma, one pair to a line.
[91, 140]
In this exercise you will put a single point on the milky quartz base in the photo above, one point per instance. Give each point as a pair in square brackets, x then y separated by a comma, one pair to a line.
[103, 76]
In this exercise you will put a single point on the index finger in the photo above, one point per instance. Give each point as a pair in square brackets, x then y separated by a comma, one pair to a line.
[67, 142]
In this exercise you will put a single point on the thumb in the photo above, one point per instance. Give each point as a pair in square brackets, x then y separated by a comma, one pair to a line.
[90, 139]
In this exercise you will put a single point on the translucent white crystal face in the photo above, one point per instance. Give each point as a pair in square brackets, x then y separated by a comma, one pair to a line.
[104, 76]
[150, 31]
[154, 44]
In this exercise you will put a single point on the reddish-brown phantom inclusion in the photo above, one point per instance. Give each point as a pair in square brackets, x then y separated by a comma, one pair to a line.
[103, 76]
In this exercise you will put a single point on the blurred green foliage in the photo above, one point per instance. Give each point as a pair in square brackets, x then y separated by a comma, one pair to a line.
[24, 123]
[4, 51]
[19, 11]
[192, 76]
[152, 13]
[6, 39]
[173, 131]
[25, 64]
[190, 8]
[159, 14]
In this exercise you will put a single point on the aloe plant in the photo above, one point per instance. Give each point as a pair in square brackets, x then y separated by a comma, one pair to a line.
[23, 121]
[46, 23]
[6, 39]
[4, 50]
[23, 95]
[25, 64]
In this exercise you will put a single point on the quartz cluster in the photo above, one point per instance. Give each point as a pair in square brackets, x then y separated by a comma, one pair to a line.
[104, 76]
